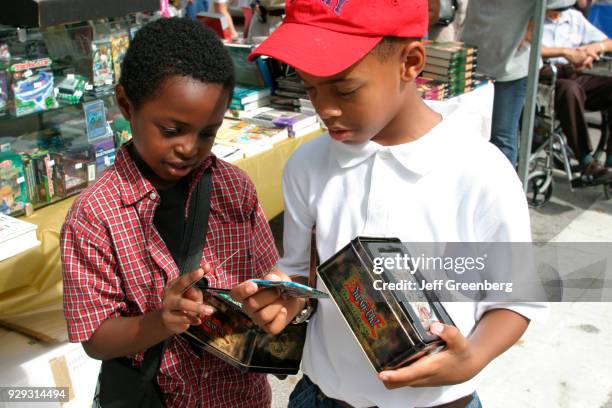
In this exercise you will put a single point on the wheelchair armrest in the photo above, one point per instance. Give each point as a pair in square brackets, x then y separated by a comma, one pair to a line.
[551, 70]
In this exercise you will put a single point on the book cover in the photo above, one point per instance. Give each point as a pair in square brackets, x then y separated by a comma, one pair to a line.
[234, 104]
[305, 130]
[449, 50]
[247, 73]
[16, 236]
[273, 117]
[451, 79]
[455, 70]
[248, 94]
[441, 62]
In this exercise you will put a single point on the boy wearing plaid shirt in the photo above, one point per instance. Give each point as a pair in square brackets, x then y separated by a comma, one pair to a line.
[119, 244]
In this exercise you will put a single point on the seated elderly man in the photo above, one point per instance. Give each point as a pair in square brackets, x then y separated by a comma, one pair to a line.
[572, 43]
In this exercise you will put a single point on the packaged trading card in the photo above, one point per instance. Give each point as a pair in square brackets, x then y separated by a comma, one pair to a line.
[391, 326]
[232, 336]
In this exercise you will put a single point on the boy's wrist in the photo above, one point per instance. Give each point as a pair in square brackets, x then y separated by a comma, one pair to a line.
[154, 323]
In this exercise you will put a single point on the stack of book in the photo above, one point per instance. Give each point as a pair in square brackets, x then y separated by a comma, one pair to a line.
[297, 124]
[289, 91]
[307, 107]
[248, 98]
[431, 89]
[453, 63]
[16, 236]
[248, 138]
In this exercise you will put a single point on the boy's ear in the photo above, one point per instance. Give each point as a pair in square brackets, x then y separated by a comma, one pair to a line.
[412, 55]
[125, 106]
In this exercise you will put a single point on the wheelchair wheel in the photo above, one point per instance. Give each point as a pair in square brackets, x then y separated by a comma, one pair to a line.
[539, 188]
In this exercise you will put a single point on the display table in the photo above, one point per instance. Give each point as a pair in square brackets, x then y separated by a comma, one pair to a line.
[31, 282]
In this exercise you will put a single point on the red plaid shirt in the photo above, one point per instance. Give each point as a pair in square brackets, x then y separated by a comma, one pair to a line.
[116, 264]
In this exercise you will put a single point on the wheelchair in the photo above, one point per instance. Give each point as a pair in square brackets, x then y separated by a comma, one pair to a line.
[551, 151]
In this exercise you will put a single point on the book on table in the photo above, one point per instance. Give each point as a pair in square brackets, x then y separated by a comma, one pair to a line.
[16, 236]
[273, 117]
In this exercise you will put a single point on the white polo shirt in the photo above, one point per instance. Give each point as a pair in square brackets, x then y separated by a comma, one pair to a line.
[450, 185]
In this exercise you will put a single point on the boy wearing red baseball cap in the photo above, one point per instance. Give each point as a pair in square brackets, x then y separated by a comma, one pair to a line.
[393, 167]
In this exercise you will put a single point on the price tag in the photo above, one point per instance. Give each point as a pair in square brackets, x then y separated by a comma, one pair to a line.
[20, 180]
[78, 166]
[91, 172]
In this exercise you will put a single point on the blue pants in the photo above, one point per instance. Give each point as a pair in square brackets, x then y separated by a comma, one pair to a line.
[507, 106]
[306, 394]
[193, 8]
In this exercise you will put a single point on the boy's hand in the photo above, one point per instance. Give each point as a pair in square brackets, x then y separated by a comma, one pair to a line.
[265, 306]
[180, 310]
[453, 365]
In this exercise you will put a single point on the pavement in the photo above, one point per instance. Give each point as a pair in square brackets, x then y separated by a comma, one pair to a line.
[566, 361]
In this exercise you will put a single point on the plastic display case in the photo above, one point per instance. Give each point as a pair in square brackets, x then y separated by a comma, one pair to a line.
[59, 122]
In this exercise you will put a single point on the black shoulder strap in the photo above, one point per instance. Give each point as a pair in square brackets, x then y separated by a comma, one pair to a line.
[194, 238]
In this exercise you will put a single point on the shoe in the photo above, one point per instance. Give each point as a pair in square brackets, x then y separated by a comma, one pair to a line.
[597, 172]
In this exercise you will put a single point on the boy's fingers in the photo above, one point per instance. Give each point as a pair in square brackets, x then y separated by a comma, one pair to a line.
[179, 285]
[189, 306]
[272, 277]
[260, 300]
[450, 334]
[278, 323]
[243, 291]
[415, 374]
[267, 315]
[194, 294]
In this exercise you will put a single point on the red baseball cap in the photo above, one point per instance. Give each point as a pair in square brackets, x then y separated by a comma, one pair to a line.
[325, 37]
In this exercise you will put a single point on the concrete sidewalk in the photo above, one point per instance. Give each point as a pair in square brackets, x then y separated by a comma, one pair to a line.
[566, 361]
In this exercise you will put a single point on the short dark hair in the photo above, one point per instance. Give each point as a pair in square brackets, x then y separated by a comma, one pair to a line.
[169, 47]
[388, 45]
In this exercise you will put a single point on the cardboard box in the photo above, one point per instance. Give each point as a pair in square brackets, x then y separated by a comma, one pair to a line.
[27, 362]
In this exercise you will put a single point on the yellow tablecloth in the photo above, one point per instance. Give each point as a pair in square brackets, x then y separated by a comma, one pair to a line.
[31, 282]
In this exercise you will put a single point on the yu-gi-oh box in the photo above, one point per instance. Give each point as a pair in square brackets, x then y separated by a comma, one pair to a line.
[390, 325]
[232, 336]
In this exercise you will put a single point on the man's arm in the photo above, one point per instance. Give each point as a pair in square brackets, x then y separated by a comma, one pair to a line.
[599, 47]
[222, 9]
[578, 57]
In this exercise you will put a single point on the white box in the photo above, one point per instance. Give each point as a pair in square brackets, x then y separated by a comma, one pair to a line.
[28, 362]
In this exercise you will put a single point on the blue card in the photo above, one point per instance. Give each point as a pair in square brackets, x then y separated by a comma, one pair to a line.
[291, 289]
[95, 119]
